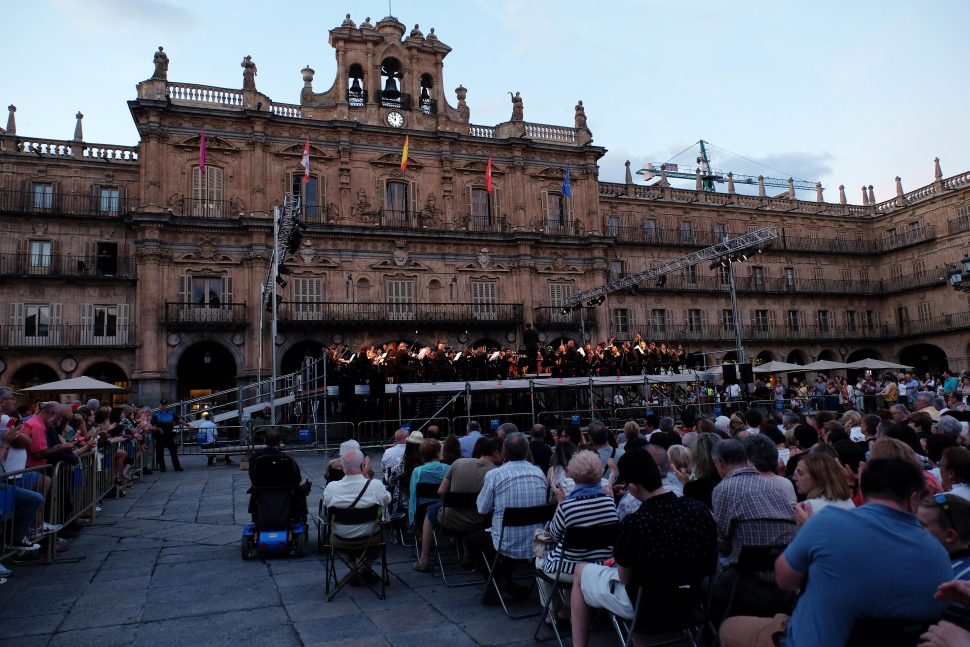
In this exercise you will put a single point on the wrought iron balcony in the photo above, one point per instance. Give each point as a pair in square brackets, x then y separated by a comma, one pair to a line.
[61, 266]
[199, 316]
[20, 336]
[398, 315]
[201, 208]
[913, 236]
[484, 223]
[560, 227]
[402, 102]
[547, 318]
[38, 201]
[357, 98]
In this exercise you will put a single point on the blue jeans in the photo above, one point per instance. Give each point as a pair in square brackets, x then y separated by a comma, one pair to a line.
[26, 504]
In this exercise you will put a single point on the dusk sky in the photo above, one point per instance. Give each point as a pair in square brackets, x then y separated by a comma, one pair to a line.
[842, 92]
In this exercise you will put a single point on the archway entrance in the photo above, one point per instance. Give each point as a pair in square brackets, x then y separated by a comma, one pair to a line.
[292, 360]
[924, 358]
[113, 374]
[32, 375]
[764, 357]
[796, 357]
[827, 355]
[205, 368]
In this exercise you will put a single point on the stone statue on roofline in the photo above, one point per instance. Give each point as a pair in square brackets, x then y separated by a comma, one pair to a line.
[249, 73]
[517, 112]
[580, 115]
[161, 65]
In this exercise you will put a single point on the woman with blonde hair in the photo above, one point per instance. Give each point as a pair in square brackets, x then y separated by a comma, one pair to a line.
[820, 478]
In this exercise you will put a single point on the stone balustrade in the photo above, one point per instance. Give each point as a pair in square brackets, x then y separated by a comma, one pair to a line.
[64, 148]
[110, 152]
[550, 133]
[487, 132]
[286, 110]
[193, 93]
[49, 147]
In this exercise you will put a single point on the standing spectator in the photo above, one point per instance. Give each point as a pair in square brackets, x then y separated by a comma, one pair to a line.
[163, 426]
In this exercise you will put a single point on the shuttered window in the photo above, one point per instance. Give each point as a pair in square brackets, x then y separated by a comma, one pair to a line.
[207, 192]
[308, 294]
[483, 300]
[559, 294]
[400, 299]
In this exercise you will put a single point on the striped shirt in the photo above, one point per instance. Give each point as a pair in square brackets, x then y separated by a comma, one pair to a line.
[597, 510]
[517, 484]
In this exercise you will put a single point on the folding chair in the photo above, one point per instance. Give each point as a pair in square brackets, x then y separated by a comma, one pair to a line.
[425, 494]
[887, 632]
[754, 560]
[678, 607]
[453, 501]
[359, 547]
[575, 538]
[514, 518]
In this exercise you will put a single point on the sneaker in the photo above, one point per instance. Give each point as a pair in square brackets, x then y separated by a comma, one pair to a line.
[51, 527]
[24, 545]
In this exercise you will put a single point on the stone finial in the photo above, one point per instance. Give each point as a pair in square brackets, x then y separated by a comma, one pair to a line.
[937, 171]
[78, 131]
[818, 192]
[161, 65]
[791, 188]
[307, 73]
[730, 177]
[517, 110]
[761, 187]
[629, 175]
[11, 120]
[249, 73]
[872, 196]
[581, 116]
[899, 186]
[461, 92]
[698, 181]
[348, 23]
[842, 199]
[663, 177]
[865, 196]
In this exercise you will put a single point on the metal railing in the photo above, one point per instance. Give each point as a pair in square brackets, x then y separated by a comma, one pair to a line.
[202, 208]
[199, 315]
[70, 204]
[398, 314]
[21, 336]
[67, 266]
[484, 223]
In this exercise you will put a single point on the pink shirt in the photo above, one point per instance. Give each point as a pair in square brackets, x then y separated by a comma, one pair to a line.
[36, 429]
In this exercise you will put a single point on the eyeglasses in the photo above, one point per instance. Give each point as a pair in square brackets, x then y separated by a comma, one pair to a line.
[943, 503]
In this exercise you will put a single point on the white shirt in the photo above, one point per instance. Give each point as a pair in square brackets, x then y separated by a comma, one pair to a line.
[340, 494]
[16, 458]
[962, 490]
[392, 456]
[210, 430]
[734, 390]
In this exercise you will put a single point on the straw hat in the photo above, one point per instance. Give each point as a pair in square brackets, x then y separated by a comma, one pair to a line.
[416, 438]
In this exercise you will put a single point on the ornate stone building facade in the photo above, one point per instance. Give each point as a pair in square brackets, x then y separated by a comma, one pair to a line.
[134, 264]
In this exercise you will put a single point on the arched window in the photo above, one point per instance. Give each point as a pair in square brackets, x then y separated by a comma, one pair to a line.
[428, 105]
[391, 96]
[207, 193]
[356, 92]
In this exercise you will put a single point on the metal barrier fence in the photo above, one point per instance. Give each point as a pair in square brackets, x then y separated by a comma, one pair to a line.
[523, 421]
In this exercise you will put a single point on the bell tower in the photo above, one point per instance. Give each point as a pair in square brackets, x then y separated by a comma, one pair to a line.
[386, 79]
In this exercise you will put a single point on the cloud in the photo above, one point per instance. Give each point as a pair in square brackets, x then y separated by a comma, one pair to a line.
[140, 13]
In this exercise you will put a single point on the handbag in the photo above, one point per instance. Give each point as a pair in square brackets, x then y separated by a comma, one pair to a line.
[542, 542]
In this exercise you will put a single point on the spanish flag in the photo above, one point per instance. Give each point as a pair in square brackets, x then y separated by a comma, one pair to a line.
[488, 175]
[404, 156]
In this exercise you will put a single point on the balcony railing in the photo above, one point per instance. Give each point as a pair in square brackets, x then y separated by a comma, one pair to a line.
[655, 236]
[17, 336]
[484, 223]
[547, 318]
[201, 208]
[429, 106]
[959, 224]
[898, 240]
[357, 99]
[402, 102]
[60, 266]
[398, 315]
[825, 245]
[71, 204]
[195, 316]
[563, 227]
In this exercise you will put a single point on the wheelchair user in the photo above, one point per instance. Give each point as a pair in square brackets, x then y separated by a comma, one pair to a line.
[298, 490]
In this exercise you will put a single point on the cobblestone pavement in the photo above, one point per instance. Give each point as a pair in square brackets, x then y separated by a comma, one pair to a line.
[162, 567]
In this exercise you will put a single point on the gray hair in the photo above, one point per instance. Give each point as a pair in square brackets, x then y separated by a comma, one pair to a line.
[660, 457]
[926, 396]
[950, 426]
[899, 408]
[516, 445]
[790, 418]
[352, 460]
[94, 403]
[49, 407]
[762, 452]
[507, 428]
[729, 452]
[666, 424]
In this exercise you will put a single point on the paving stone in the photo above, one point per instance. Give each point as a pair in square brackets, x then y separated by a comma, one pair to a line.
[16, 621]
[264, 626]
[111, 636]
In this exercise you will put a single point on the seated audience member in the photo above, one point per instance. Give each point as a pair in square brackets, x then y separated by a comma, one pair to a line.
[668, 541]
[450, 449]
[955, 471]
[599, 437]
[516, 484]
[705, 475]
[431, 471]
[541, 452]
[473, 431]
[805, 437]
[361, 491]
[630, 430]
[821, 481]
[672, 480]
[393, 454]
[556, 474]
[587, 505]
[947, 517]
[879, 543]
[949, 426]
[763, 456]
[465, 476]
[298, 508]
[399, 479]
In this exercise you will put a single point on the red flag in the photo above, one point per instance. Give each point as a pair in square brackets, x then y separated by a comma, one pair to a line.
[404, 155]
[305, 162]
[488, 175]
[202, 152]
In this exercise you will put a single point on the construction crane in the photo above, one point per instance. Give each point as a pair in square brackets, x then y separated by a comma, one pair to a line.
[709, 176]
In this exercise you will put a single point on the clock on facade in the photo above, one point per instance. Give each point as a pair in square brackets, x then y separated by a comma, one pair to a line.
[395, 119]
[68, 364]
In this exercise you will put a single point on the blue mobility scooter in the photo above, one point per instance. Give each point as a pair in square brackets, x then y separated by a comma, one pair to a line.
[278, 505]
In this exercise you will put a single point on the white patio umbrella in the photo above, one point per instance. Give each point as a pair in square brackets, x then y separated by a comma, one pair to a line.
[825, 365]
[777, 367]
[73, 385]
[877, 365]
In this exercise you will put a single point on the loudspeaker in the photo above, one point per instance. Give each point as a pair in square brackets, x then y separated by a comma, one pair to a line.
[745, 374]
[730, 373]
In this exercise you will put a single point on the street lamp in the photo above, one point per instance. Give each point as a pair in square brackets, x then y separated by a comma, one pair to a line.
[955, 274]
